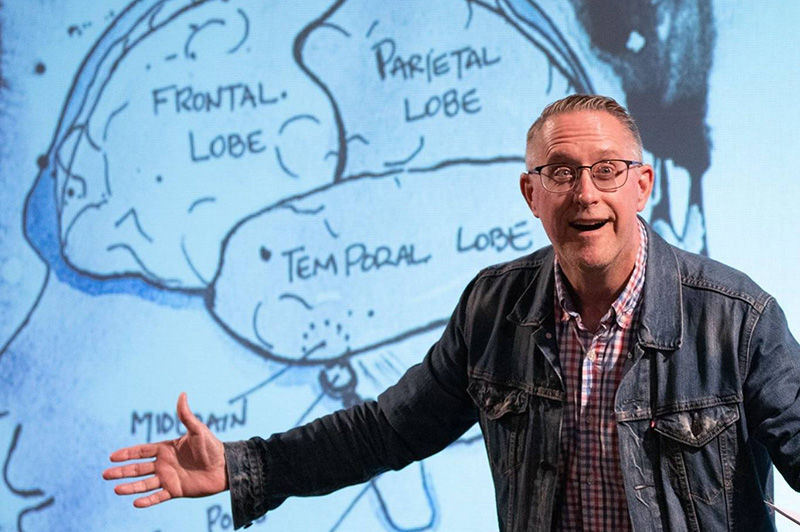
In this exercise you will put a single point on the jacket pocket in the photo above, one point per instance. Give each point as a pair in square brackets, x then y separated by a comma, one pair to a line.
[503, 415]
[698, 448]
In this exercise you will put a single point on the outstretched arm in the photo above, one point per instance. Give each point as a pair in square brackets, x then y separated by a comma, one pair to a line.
[190, 466]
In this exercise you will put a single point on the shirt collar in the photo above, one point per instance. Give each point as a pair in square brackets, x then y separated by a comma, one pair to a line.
[622, 309]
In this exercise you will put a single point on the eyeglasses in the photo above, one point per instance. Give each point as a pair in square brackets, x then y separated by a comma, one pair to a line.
[607, 175]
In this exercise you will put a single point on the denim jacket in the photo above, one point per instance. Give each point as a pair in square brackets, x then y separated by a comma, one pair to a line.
[709, 400]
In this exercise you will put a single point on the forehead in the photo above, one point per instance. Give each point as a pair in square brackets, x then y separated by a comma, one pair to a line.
[582, 134]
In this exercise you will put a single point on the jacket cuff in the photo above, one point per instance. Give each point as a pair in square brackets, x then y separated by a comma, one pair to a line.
[245, 481]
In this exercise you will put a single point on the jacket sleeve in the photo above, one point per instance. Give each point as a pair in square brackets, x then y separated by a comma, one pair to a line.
[423, 413]
[772, 390]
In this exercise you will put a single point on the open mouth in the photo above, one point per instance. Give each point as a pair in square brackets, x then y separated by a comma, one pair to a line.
[588, 226]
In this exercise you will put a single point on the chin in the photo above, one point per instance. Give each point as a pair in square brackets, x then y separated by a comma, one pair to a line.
[591, 263]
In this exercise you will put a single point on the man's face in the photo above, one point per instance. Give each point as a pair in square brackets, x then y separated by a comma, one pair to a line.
[592, 231]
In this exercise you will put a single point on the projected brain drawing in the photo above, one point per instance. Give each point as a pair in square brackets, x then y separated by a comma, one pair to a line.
[306, 187]
[235, 142]
[352, 288]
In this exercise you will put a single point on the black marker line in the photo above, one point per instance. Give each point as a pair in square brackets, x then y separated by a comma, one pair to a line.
[367, 373]
[78, 178]
[350, 508]
[95, 146]
[297, 54]
[41, 506]
[304, 211]
[428, 495]
[407, 159]
[156, 11]
[314, 403]
[317, 347]
[335, 27]
[469, 14]
[283, 166]
[27, 318]
[75, 219]
[189, 261]
[330, 230]
[171, 57]
[269, 379]
[255, 328]
[469, 161]
[297, 117]
[113, 113]
[195, 30]
[59, 163]
[105, 174]
[132, 212]
[260, 385]
[572, 69]
[157, 278]
[246, 31]
[287, 295]
[206, 199]
[390, 354]
[435, 324]
[373, 174]
[11, 448]
[372, 27]
[356, 136]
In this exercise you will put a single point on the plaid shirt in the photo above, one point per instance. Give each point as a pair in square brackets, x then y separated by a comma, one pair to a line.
[592, 364]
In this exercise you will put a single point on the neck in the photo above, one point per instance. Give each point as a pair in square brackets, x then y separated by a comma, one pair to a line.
[593, 291]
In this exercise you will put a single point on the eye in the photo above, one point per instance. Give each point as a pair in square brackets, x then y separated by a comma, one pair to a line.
[559, 173]
[604, 170]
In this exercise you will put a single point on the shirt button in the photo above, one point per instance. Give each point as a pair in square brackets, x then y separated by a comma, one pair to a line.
[548, 335]
[591, 355]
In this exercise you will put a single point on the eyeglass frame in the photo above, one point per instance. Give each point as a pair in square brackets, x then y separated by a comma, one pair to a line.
[538, 170]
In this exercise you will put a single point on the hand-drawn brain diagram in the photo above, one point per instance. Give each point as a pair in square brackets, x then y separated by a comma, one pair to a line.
[430, 73]
[196, 114]
[382, 254]
[355, 278]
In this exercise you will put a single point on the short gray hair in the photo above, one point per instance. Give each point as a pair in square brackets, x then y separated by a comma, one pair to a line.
[587, 102]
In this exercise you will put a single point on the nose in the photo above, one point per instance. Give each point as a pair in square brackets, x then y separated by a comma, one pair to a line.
[584, 190]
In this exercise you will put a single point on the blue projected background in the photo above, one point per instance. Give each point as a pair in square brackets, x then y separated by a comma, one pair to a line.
[274, 206]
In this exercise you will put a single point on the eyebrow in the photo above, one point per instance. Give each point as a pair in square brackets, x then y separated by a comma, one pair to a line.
[556, 157]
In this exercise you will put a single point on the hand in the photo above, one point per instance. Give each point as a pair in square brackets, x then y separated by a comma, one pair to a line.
[190, 466]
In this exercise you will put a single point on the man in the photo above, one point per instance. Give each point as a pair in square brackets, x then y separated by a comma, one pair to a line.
[619, 383]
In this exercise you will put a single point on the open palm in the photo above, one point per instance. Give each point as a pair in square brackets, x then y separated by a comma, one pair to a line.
[190, 466]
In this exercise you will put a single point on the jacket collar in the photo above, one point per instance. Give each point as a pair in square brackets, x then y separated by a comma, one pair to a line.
[661, 318]
[660, 321]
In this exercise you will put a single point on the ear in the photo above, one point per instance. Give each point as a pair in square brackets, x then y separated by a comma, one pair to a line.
[528, 188]
[644, 185]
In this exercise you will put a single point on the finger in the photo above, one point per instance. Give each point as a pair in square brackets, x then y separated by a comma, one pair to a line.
[130, 471]
[140, 486]
[145, 450]
[190, 421]
[153, 498]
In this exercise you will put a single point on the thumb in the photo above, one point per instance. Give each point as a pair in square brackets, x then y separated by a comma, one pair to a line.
[190, 421]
